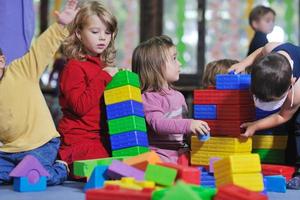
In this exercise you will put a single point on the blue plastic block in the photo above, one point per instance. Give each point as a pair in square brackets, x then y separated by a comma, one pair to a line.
[205, 111]
[207, 178]
[22, 184]
[97, 178]
[124, 108]
[233, 81]
[129, 139]
[259, 113]
[275, 183]
[204, 138]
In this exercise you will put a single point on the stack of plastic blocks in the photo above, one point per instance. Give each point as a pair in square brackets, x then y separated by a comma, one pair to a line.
[207, 178]
[225, 108]
[270, 144]
[219, 147]
[240, 170]
[125, 115]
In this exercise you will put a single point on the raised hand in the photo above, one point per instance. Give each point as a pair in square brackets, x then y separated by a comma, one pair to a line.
[68, 13]
[237, 68]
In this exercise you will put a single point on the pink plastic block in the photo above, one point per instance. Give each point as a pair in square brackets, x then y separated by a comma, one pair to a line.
[211, 163]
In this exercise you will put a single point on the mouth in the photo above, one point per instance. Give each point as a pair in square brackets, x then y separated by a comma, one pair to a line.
[101, 46]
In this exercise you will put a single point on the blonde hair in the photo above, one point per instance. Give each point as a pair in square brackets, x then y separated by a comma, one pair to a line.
[72, 46]
[213, 68]
[149, 62]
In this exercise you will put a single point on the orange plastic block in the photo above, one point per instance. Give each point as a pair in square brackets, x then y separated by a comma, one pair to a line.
[113, 192]
[141, 161]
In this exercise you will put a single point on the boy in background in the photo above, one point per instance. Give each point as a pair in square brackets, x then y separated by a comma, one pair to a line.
[261, 20]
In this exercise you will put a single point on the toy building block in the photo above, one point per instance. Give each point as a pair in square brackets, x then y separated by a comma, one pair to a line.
[131, 151]
[204, 137]
[180, 191]
[270, 156]
[286, 171]
[233, 192]
[269, 142]
[124, 109]
[84, 168]
[131, 183]
[233, 81]
[207, 179]
[160, 175]
[222, 144]
[187, 174]
[121, 94]
[128, 139]
[275, 183]
[29, 175]
[141, 161]
[97, 178]
[126, 124]
[211, 163]
[225, 127]
[118, 169]
[124, 77]
[205, 111]
[114, 192]
[226, 97]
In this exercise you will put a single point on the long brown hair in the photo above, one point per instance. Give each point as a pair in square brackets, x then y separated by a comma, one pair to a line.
[149, 62]
[72, 46]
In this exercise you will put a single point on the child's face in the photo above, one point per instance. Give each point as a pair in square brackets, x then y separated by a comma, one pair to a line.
[265, 24]
[172, 66]
[94, 36]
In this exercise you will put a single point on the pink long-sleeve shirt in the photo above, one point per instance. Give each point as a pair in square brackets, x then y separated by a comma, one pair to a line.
[164, 113]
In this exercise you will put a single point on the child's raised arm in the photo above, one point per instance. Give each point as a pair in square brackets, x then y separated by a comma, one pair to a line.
[248, 61]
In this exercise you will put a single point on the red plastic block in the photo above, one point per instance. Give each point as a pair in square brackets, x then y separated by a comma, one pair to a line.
[187, 174]
[286, 171]
[236, 112]
[225, 127]
[228, 97]
[233, 192]
[113, 192]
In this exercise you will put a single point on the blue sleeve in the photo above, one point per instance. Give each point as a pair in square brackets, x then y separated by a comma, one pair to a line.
[17, 27]
[294, 53]
[259, 40]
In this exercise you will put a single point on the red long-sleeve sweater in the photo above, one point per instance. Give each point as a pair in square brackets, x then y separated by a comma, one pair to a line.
[82, 84]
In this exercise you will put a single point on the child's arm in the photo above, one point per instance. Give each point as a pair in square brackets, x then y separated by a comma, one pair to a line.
[33, 64]
[275, 119]
[248, 61]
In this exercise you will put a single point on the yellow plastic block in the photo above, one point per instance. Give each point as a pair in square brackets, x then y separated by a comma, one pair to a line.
[203, 157]
[251, 181]
[123, 93]
[222, 144]
[131, 183]
[141, 161]
[233, 164]
[269, 142]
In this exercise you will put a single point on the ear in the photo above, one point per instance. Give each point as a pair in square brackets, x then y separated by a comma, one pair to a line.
[77, 33]
[255, 24]
[293, 80]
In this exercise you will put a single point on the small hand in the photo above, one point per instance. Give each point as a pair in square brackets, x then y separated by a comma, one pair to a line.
[69, 12]
[250, 129]
[2, 62]
[111, 70]
[199, 127]
[237, 68]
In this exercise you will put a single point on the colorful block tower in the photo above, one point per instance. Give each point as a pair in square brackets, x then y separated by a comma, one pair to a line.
[224, 109]
[124, 108]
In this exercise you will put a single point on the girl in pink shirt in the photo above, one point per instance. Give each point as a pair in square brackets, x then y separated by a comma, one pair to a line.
[156, 63]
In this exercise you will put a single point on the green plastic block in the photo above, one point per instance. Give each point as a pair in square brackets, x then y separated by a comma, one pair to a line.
[272, 156]
[122, 78]
[85, 168]
[125, 124]
[180, 191]
[132, 151]
[161, 175]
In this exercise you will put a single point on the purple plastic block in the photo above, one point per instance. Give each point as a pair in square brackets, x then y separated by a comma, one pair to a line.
[118, 169]
[211, 163]
[31, 168]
